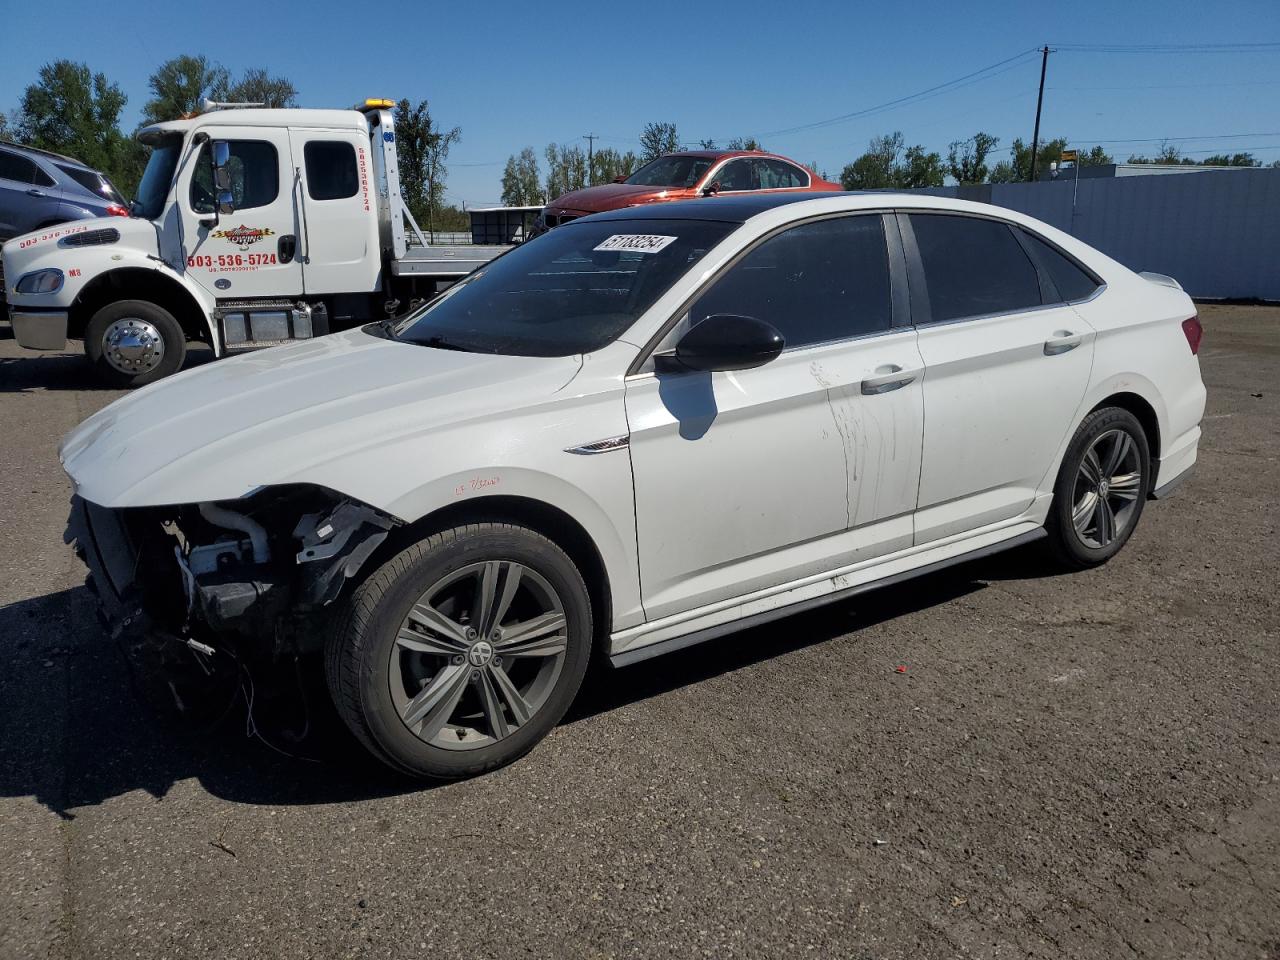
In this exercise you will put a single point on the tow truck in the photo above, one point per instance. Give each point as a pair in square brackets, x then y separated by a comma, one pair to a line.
[251, 227]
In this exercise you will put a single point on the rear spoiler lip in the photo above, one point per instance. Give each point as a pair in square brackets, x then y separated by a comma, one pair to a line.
[1161, 279]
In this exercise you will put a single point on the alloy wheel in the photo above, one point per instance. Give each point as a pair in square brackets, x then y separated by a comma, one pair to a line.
[1108, 486]
[478, 655]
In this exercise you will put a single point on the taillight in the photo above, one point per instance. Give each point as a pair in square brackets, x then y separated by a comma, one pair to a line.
[115, 210]
[1194, 333]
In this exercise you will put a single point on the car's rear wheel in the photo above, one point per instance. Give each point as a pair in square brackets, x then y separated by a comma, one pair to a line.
[132, 343]
[462, 652]
[1101, 488]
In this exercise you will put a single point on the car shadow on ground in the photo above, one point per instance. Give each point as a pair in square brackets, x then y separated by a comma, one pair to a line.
[79, 730]
[64, 370]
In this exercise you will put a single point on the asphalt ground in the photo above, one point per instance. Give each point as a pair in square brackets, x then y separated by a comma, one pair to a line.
[1079, 765]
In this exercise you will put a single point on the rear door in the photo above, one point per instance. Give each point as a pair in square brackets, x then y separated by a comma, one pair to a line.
[338, 246]
[252, 252]
[29, 197]
[1006, 369]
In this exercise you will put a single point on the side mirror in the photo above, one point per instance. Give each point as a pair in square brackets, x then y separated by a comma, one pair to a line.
[620, 178]
[226, 202]
[221, 170]
[711, 189]
[723, 341]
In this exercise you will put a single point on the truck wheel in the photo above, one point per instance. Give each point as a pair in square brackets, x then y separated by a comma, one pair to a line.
[461, 652]
[132, 343]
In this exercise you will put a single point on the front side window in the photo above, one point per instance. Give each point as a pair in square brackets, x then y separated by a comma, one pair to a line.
[1072, 281]
[816, 283]
[973, 267]
[255, 176]
[738, 175]
[570, 291]
[331, 169]
[671, 171]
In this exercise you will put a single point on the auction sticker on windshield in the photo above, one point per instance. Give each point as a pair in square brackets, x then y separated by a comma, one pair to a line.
[636, 242]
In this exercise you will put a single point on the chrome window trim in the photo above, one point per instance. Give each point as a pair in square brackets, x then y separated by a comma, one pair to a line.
[711, 176]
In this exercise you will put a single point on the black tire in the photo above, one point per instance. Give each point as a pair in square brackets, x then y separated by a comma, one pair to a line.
[173, 343]
[363, 640]
[1068, 545]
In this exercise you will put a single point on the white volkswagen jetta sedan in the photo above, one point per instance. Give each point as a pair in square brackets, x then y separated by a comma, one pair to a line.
[645, 429]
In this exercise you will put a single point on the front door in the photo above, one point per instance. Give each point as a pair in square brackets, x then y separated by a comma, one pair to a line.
[751, 479]
[1005, 372]
[252, 252]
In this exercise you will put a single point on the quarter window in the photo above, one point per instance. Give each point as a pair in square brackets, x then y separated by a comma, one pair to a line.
[973, 267]
[255, 176]
[331, 170]
[1072, 281]
[22, 170]
[818, 282]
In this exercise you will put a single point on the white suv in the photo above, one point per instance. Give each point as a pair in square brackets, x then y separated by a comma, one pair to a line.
[644, 429]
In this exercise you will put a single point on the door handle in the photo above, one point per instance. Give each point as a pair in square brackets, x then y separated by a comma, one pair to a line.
[1061, 342]
[888, 377]
[33, 192]
[286, 247]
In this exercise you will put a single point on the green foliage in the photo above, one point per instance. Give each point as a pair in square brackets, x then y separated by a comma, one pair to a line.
[609, 164]
[967, 159]
[743, 143]
[1095, 157]
[178, 86]
[1169, 155]
[423, 149]
[1232, 160]
[566, 169]
[74, 111]
[257, 86]
[657, 139]
[6, 132]
[521, 180]
[887, 164]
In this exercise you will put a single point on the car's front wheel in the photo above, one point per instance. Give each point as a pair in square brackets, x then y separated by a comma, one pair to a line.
[1101, 488]
[133, 342]
[460, 653]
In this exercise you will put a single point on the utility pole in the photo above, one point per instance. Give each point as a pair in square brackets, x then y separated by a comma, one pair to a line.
[1035, 137]
[591, 139]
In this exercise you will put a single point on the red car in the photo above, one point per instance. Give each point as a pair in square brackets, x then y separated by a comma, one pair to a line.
[685, 175]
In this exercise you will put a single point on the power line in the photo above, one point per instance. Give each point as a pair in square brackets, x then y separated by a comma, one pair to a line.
[1267, 46]
[1217, 136]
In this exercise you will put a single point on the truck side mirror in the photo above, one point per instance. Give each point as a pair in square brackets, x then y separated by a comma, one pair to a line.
[711, 189]
[221, 170]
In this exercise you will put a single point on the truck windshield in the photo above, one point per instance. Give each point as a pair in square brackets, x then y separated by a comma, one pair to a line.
[570, 291]
[673, 171]
[154, 186]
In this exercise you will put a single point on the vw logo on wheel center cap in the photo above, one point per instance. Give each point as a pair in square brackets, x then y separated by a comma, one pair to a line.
[1104, 487]
[481, 652]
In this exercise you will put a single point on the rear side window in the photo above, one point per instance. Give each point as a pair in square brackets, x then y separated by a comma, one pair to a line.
[777, 175]
[1072, 281]
[818, 282]
[95, 183]
[22, 170]
[331, 170]
[255, 176]
[973, 267]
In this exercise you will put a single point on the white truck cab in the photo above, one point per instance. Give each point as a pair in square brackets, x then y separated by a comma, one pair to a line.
[251, 227]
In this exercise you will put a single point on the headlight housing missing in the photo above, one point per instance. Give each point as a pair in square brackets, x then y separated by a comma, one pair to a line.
[40, 281]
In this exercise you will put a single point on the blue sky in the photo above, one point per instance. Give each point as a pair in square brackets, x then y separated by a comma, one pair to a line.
[516, 74]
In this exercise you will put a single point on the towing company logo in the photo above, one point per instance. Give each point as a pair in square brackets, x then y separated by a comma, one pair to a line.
[243, 236]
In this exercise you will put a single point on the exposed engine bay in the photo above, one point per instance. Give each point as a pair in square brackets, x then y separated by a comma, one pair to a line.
[244, 581]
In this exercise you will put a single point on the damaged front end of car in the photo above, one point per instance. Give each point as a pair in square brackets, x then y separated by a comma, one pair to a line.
[204, 589]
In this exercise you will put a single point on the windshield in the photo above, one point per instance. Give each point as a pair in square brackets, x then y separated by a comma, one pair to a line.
[154, 187]
[672, 171]
[569, 291]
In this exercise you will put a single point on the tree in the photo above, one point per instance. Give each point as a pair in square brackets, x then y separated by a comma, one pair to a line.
[657, 139]
[1018, 167]
[423, 149]
[566, 169]
[1232, 160]
[521, 186]
[178, 86]
[1169, 155]
[967, 159]
[76, 112]
[887, 165]
[5, 132]
[743, 143]
[608, 164]
[256, 86]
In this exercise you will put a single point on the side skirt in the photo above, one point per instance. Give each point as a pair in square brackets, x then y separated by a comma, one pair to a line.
[637, 654]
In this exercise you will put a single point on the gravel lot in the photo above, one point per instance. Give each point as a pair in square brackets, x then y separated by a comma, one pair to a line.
[1072, 766]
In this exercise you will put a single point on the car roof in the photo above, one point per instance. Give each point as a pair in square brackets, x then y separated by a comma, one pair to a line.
[47, 154]
[734, 209]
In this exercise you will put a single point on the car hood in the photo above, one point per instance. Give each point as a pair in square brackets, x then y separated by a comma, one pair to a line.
[611, 196]
[28, 251]
[279, 415]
